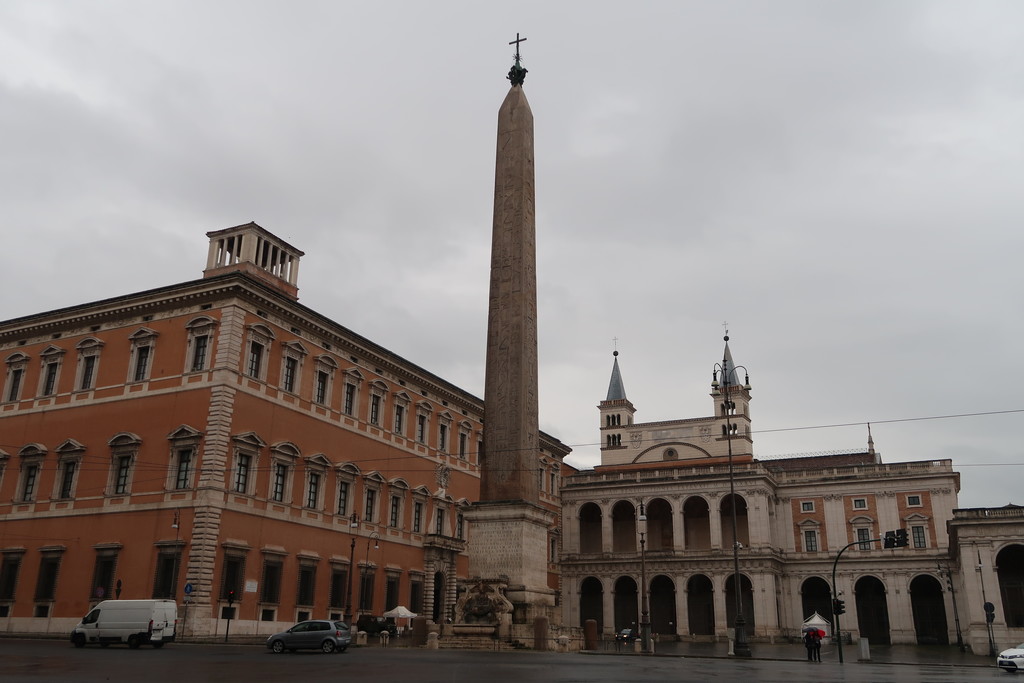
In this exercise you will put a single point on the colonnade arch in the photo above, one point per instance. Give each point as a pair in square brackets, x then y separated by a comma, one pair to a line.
[746, 595]
[1010, 570]
[815, 596]
[872, 610]
[627, 607]
[742, 528]
[929, 609]
[590, 528]
[624, 536]
[659, 524]
[700, 605]
[592, 602]
[696, 523]
[662, 602]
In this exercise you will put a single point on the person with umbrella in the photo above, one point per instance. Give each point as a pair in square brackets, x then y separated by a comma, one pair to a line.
[812, 641]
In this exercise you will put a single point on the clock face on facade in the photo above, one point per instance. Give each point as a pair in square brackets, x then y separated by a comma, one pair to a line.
[705, 434]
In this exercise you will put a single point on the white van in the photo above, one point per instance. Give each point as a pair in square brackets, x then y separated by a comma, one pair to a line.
[128, 621]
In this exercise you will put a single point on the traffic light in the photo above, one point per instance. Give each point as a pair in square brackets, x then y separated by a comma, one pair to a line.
[901, 538]
[890, 539]
[838, 606]
[231, 597]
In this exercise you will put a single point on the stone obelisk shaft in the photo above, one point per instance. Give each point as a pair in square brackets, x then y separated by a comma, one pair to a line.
[509, 467]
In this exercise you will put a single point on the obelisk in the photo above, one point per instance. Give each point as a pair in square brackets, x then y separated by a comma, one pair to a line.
[508, 529]
[511, 440]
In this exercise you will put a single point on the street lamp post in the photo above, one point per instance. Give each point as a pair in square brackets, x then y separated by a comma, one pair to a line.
[177, 552]
[945, 571]
[353, 524]
[740, 646]
[645, 622]
[989, 609]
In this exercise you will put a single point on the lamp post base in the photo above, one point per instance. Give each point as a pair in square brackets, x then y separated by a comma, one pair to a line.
[741, 648]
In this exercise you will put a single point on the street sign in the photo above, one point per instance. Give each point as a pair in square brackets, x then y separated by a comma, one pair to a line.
[188, 589]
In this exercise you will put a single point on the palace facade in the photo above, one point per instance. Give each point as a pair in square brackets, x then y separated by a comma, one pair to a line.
[218, 443]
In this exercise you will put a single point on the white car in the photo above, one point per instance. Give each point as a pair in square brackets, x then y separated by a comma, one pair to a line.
[1012, 660]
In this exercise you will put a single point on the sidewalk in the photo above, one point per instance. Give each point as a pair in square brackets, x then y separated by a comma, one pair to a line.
[941, 655]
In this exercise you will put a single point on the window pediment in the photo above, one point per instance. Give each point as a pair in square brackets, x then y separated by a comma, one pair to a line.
[69, 447]
[348, 469]
[142, 334]
[318, 460]
[124, 439]
[199, 323]
[375, 477]
[51, 352]
[89, 343]
[183, 433]
[33, 450]
[250, 439]
[286, 449]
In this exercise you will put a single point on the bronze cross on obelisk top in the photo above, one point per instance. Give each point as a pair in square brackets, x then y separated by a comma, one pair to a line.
[516, 43]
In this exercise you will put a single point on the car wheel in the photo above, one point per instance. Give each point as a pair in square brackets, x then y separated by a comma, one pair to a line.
[327, 647]
[133, 642]
[78, 640]
[159, 644]
[277, 647]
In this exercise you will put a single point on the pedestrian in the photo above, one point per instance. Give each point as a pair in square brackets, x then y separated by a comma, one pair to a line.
[817, 645]
[809, 644]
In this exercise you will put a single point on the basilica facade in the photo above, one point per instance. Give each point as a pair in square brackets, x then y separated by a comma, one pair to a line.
[681, 527]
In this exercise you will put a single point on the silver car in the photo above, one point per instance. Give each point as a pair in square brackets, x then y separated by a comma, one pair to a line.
[316, 634]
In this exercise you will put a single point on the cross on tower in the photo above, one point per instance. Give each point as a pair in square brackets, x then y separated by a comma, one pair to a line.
[516, 43]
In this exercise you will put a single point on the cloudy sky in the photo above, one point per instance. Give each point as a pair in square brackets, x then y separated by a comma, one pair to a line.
[839, 181]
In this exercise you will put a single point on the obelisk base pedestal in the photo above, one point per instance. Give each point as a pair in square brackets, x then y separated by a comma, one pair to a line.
[508, 545]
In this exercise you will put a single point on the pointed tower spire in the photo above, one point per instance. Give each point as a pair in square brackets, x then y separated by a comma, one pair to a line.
[871, 442]
[616, 390]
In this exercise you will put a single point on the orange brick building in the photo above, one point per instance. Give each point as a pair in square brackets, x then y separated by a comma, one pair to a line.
[219, 443]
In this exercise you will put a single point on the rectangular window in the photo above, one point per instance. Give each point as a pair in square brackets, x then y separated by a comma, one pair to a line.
[167, 562]
[291, 367]
[442, 437]
[810, 541]
[255, 363]
[863, 535]
[321, 387]
[232, 577]
[183, 476]
[123, 466]
[391, 593]
[366, 591]
[463, 439]
[417, 517]
[399, 419]
[9, 575]
[914, 501]
[142, 354]
[15, 385]
[860, 503]
[807, 506]
[343, 498]
[67, 478]
[307, 584]
[439, 526]
[459, 525]
[199, 347]
[371, 503]
[421, 428]
[270, 591]
[919, 539]
[50, 383]
[554, 483]
[553, 549]
[103, 576]
[28, 487]
[339, 583]
[416, 595]
[46, 583]
[396, 504]
[375, 409]
[88, 371]
[280, 475]
[242, 466]
[313, 492]
[350, 398]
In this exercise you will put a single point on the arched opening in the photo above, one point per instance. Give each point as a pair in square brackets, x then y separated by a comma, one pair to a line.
[662, 602]
[872, 610]
[659, 524]
[746, 595]
[592, 602]
[741, 521]
[624, 536]
[696, 524]
[439, 582]
[590, 528]
[700, 609]
[626, 605]
[929, 610]
[816, 596]
[1010, 569]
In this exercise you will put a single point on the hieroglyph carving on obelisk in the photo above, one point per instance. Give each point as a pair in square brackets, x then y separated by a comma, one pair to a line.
[511, 442]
